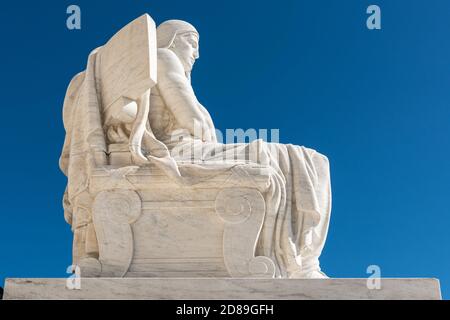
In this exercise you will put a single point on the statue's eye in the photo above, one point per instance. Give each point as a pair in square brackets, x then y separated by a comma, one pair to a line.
[193, 43]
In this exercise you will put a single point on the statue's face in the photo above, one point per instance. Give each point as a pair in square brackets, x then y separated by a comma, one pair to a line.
[185, 46]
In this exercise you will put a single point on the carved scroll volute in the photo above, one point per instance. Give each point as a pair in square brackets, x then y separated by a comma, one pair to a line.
[113, 213]
[243, 211]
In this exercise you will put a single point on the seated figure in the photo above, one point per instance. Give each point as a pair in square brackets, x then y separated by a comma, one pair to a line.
[133, 115]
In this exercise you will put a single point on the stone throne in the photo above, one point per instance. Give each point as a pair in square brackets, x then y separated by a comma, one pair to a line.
[148, 226]
[133, 220]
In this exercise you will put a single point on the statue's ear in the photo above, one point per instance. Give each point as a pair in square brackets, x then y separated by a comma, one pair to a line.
[128, 62]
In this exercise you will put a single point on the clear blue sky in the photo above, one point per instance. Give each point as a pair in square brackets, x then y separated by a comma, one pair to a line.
[377, 103]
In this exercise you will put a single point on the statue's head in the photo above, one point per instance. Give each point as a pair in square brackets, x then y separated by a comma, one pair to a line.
[180, 37]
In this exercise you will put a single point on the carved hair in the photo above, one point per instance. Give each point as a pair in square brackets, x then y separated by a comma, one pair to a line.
[168, 30]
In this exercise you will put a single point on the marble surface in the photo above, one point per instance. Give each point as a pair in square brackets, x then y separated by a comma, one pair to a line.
[222, 289]
[152, 191]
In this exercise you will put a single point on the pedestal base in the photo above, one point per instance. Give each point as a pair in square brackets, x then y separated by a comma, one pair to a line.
[222, 289]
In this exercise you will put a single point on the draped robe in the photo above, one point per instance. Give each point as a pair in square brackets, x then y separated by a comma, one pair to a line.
[298, 201]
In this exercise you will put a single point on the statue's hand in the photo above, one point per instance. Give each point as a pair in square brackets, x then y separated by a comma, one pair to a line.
[204, 133]
[209, 136]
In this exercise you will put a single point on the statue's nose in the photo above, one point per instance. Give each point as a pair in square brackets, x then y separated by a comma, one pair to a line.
[196, 54]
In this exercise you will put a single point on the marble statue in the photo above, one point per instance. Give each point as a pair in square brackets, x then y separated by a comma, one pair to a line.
[152, 192]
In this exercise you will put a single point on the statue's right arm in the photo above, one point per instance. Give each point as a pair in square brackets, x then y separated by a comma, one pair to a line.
[176, 92]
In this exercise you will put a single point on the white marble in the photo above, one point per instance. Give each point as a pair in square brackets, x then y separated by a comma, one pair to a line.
[223, 289]
[143, 203]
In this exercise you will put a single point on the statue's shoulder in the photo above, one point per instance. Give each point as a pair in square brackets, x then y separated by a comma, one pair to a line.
[165, 54]
[168, 61]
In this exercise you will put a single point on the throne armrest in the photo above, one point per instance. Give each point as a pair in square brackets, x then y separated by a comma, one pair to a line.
[247, 175]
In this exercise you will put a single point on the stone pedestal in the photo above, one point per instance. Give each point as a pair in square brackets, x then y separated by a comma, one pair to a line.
[222, 289]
